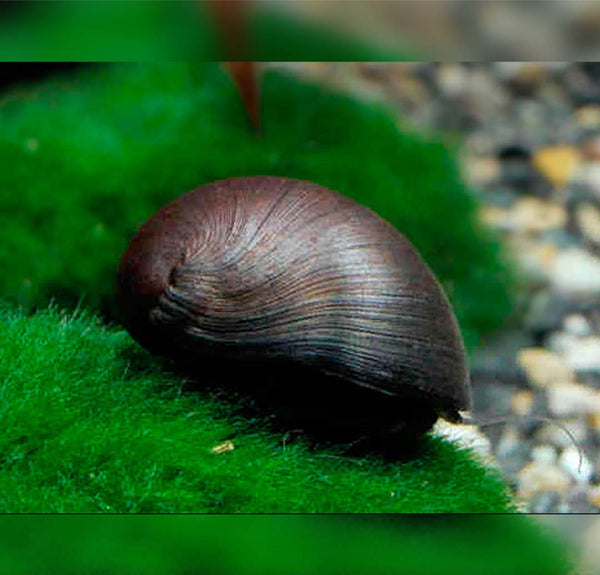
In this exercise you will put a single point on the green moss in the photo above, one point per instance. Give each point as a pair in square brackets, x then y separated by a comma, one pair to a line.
[508, 545]
[91, 422]
[92, 156]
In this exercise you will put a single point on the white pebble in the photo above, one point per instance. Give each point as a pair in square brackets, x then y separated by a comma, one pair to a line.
[585, 356]
[572, 399]
[576, 272]
[544, 454]
[576, 464]
[575, 324]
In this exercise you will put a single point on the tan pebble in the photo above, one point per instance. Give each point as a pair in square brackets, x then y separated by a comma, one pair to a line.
[571, 399]
[482, 171]
[495, 217]
[594, 421]
[521, 402]
[588, 116]
[533, 215]
[543, 368]
[590, 148]
[557, 163]
[594, 496]
[588, 220]
[223, 447]
[539, 476]
[537, 258]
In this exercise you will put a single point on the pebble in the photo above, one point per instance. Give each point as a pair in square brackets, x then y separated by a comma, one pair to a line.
[533, 215]
[594, 497]
[576, 272]
[538, 477]
[588, 117]
[544, 454]
[482, 171]
[576, 464]
[496, 217]
[588, 174]
[544, 368]
[452, 79]
[590, 148]
[536, 258]
[557, 163]
[521, 402]
[587, 217]
[585, 356]
[576, 325]
[572, 399]
[561, 342]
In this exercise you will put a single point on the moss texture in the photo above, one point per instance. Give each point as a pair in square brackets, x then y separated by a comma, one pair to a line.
[91, 422]
[93, 155]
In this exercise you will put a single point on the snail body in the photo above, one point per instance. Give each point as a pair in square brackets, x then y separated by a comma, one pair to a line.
[307, 283]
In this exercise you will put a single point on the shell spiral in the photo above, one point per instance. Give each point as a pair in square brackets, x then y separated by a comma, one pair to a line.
[282, 270]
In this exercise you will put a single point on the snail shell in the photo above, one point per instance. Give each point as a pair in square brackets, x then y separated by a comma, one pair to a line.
[287, 273]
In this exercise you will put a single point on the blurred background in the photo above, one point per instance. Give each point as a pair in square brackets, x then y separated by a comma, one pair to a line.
[308, 30]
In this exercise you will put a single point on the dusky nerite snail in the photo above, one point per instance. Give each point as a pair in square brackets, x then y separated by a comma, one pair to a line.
[311, 295]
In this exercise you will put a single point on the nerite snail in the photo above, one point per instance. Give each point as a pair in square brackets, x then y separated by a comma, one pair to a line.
[305, 283]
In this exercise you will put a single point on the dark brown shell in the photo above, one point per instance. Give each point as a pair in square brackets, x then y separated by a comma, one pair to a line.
[282, 270]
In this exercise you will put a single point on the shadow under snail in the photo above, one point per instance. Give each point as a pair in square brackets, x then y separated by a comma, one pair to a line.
[304, 294]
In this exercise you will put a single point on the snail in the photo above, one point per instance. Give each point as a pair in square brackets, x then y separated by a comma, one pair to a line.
[316, 296]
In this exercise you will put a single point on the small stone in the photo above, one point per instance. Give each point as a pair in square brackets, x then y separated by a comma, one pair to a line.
[572, 399]
[496, 217]
[575, 324]
[533, 215]
[588, 117]
[452, 79]
[562, 342]
[482, 171]
[538, 477]
[544, 454]
[576, 464]
[588, 175]
[594, 496]
[544, 368]
[557, 163]
[585, 356]
[576, 272]
[590, 148]
[587, 217]
[522, 402]
[535, 258]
